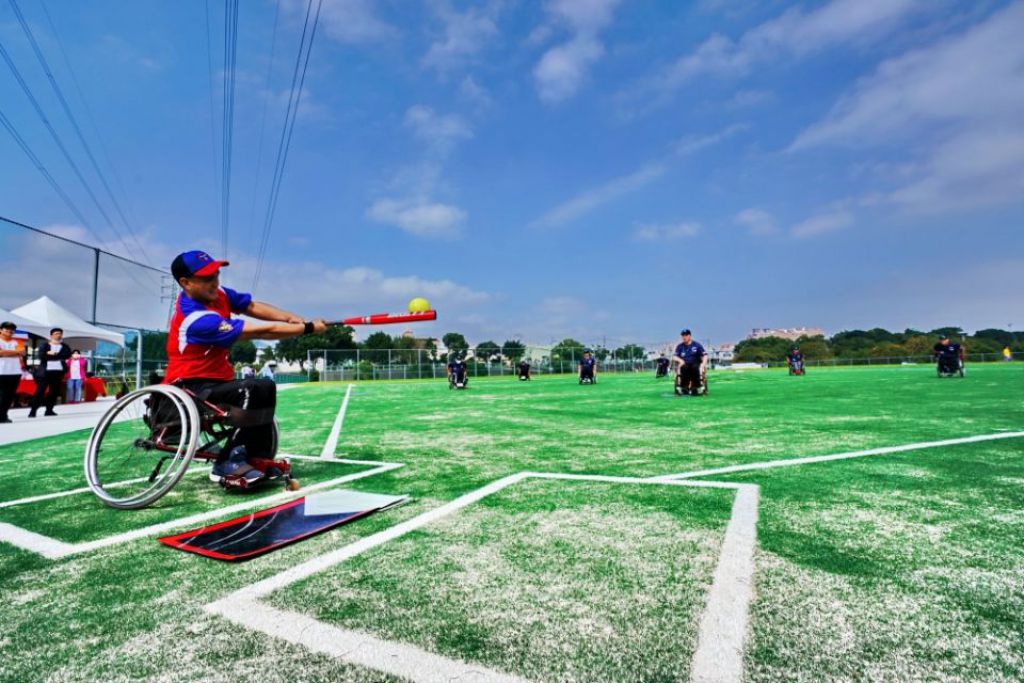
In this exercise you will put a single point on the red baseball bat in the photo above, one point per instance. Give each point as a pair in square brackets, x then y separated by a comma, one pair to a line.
[387, 318]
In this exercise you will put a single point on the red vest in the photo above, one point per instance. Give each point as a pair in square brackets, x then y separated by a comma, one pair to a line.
[187, 359]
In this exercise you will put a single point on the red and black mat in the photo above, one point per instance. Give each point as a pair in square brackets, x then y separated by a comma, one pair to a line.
[260, 532]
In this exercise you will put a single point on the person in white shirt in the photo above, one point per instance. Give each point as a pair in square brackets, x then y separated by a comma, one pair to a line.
[53, 361]
[10, 368]
[248, 372]
[267, 372]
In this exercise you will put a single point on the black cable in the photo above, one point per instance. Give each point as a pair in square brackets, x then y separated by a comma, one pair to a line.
[74, 123]
[6, 123]
[88, 112]
[299, 79]
[230, 59]
[60, 144]
[263, 123]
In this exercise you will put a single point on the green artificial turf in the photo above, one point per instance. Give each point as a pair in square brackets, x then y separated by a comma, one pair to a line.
[895, 567]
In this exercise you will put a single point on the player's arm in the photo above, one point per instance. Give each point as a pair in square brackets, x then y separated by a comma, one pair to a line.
[13, 353]
[278, 330]
[265, 311]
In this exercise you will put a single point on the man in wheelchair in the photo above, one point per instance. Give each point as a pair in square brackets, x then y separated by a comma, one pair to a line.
[795, 358]
[457, 377]
[692, 363]
[588, 368]
[524, 370]
[662, 367]
[201, 333]
[949, 357]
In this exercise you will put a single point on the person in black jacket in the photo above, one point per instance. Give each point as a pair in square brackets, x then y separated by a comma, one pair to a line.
[49, 375]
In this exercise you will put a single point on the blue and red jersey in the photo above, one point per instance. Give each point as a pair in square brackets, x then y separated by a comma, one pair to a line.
[200, 337]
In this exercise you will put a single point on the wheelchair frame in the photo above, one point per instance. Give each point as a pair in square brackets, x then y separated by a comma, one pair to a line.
[204, 427]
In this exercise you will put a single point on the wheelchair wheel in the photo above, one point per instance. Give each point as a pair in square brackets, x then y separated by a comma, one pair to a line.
[142, 446]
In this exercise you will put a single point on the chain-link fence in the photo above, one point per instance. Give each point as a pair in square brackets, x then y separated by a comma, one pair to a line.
[374, 364]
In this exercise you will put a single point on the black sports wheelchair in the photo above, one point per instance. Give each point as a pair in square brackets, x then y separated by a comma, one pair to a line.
[145, 442]
[458, 380]
[946, 366]
[691, 380]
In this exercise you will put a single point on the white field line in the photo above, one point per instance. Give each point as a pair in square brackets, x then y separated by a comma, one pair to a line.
[192, 466]
[55, 549]
[721, 637]
[332, 440]
[724, 626]
[792, 462]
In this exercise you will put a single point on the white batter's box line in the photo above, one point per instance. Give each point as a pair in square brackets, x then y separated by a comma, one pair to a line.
[332, 440]
[193, 468]
[793, 462]
[721, 637]
[55, 549]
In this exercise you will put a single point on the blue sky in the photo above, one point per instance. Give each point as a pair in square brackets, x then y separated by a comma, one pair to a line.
[596, 168]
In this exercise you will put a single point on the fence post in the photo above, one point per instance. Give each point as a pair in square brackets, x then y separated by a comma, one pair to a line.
[96, 283]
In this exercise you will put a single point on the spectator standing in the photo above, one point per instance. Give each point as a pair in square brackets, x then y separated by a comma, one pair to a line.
[267, 372]
[53, 361]
[10, 368]
[77, 367]
[248, 372]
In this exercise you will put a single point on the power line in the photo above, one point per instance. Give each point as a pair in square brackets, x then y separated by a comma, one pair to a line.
[60, 144]
[74, 123]
[6, 123]
[40, 231]
[228, 112]
[294, 96]
[263, 123]
[209, 71]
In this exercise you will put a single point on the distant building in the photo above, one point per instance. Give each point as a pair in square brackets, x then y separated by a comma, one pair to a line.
[723, 353]
[793, 333]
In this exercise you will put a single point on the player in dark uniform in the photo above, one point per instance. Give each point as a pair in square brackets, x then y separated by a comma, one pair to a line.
[692, 360]
[588, 368]
[524, 370]
[662, 366]
[457, 377]
[949, 356]
[796, 361]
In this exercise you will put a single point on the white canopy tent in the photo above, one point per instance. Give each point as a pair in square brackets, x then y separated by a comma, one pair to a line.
[24, 324]
[48, 314]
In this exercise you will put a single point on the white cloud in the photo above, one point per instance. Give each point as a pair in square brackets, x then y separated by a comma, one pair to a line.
[349, 21]
[756, 221]
[465, 35]
[441, 130]
[587, 201]
[418, 217]
[666, 232]
[795, 33]
[957, 105]
[474, 93]
[822, 224]
[695, 143]
[563, 69]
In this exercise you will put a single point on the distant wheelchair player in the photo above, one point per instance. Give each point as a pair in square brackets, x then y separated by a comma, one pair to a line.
[692, 364]
[661, 367]
[524, 370]
[949, 357]
[795, 358]
[588, 368]
[458, 378]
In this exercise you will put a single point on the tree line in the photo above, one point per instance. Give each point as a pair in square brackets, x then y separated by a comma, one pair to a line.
[875, 343]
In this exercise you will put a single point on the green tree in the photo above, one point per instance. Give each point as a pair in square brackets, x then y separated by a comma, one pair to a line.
[485, 351]
[601, 353]
[513, 350]
[455, 343]
[154, 345]
[295, 350]
[243, 351]
[814, 348]
[566, 351]
[629, 352]
[375, 348]
[762, 350]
